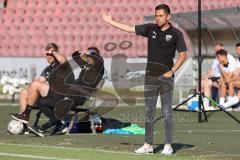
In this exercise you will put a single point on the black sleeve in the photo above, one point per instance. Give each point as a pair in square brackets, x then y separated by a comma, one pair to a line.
[181, 45]
[43, 74]
[143, 29]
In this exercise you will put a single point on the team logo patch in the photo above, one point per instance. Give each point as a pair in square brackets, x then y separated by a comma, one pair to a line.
[154, 34]
[168, 38]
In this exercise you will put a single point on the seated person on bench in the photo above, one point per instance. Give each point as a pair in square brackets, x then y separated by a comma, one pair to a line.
[54, 62]
[43, 78]
[57, 89]
[92, 70]
[234, 83]
[211, 81]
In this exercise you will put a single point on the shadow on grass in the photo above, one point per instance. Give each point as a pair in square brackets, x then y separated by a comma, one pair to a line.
[175, 146]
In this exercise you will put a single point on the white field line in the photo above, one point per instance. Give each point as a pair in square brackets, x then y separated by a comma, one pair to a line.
[223, 155]
[35, 157]
[82, 149]
[66, 148]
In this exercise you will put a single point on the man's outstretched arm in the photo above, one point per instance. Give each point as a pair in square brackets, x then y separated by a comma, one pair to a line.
[125, 27]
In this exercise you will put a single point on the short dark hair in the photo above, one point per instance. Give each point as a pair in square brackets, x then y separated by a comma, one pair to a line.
[221, 52]
[95, 49]
[51, 46]
[164, 7]
[219, 43]
[238, 44]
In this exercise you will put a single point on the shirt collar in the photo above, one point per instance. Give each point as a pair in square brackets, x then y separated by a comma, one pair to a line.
[166, 29]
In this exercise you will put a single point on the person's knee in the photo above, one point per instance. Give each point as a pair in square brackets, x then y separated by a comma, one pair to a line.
[222, 83]
[23, 93]
[207, 84]
[167, 113]
[35, 85]
[150, 117]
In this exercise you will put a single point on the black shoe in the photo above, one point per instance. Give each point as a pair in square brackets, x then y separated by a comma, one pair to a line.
[59, 129]
[37, 133]
[20, 117]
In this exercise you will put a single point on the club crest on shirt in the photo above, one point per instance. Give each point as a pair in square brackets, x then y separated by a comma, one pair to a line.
[154, 34]
[168, 37]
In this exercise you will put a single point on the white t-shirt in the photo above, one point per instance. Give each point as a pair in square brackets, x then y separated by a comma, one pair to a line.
[237, 71]
[232, 66]
[238, 62]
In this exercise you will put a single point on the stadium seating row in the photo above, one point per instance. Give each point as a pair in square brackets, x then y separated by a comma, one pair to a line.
[27, 25]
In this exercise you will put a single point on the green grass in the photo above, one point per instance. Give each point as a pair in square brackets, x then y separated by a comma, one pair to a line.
[217, 139]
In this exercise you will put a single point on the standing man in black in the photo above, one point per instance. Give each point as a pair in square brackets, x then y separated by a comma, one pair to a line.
[163, 42]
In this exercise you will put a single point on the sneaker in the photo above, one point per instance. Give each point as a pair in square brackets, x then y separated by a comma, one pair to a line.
[32, 130]
[167, 150]
[20, 117]
[231, 102]
[59, 130]
[144, 150]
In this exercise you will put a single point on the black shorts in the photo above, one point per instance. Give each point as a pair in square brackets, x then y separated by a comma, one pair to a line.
[51, 99]
[214, 79]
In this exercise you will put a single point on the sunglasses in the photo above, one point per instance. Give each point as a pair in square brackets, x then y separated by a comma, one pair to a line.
[49, 54]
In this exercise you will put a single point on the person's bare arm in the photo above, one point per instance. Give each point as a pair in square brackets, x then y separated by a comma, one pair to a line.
[125, 27]
[42, 79]
[229, 77]
[226, 76]
[60, 58]
[235, 78]
[181, 59]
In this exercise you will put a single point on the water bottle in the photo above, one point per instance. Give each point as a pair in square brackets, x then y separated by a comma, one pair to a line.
[97, 123]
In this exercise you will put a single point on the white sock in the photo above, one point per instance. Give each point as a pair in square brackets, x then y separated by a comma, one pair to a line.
[221, 100]
[205, 102]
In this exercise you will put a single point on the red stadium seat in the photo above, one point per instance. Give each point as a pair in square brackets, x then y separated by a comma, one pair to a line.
[42, 3]
[77, 23]
[19, 4]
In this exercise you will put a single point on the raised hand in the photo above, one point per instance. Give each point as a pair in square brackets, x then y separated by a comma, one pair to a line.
[106, 17]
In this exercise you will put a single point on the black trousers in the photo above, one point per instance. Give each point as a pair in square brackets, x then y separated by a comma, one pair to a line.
[48, 104]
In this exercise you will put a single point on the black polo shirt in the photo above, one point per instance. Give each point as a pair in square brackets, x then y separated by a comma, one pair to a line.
[162, 46]
[91, 74]
[47, 71]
